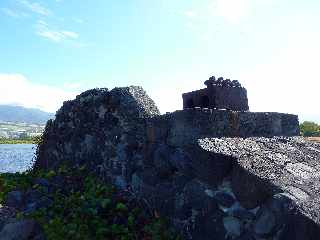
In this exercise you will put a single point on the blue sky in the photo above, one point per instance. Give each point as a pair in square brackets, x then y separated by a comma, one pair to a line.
[51, 50]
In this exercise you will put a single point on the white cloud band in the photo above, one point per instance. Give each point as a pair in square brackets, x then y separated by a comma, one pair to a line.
[17, 89]
[44, 30]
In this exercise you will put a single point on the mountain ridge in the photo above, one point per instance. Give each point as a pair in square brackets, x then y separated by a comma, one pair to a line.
[19, 114]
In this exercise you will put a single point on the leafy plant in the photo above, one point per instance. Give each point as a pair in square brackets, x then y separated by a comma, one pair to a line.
[83, 207]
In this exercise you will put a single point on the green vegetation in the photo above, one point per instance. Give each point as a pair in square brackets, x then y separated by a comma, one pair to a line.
[27, 140]
[17, 141]
[85, 208]
[310, 129]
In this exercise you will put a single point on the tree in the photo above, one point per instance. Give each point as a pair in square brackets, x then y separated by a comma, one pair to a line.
[309, 129]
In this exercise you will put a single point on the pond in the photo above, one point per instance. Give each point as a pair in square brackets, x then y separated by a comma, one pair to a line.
[16, 157]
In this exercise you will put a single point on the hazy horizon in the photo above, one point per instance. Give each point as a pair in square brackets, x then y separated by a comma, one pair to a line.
[52, 50]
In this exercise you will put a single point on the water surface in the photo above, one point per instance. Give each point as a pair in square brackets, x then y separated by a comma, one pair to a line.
[16, 157]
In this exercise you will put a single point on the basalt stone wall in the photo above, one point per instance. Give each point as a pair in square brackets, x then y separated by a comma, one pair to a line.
[182, 127]
[209, 188]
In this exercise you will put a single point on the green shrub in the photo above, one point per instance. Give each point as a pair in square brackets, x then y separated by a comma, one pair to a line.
[86, 208]
[309, 129]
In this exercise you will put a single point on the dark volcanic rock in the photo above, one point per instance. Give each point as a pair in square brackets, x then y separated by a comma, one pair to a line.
[266, 223]
[15, 199]
[22, 230]
[208, 226]
[224, 199]
[6, 214]
[249, 189]
[102, 129]
[242, 214]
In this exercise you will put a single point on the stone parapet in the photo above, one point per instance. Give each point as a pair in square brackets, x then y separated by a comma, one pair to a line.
[185, 126]
[219, 94]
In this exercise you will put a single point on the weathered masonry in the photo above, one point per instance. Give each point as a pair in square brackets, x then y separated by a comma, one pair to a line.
[215, 174]
[219, 94]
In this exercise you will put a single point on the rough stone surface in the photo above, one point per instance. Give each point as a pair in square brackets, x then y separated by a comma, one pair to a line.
[103, 129]
[186, 126]
[222, 187]
[281, 174]
[265, 223]
[22, 230]
[224, 198]
[14, 199]
[6, 214]
[27, 201]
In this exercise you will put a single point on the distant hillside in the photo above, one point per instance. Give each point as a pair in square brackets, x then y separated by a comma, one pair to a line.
[19, 114]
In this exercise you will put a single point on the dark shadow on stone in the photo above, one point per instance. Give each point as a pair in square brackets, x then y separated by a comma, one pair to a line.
[205, 102]
[190, 103]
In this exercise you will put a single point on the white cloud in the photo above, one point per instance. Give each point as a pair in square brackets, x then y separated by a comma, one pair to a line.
[75, 86]
[13, 13]
[78, 20]
[169, 99]
[17, 89]
[44, 30]
[69, 34]
[35, 7]
[290, 81]
[287, 82]
[231, 10]
[191, 26]
[189, 13]
[192, 19]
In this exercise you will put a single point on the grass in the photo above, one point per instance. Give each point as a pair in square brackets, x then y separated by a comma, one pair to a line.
[85, 208]
[30, 140]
